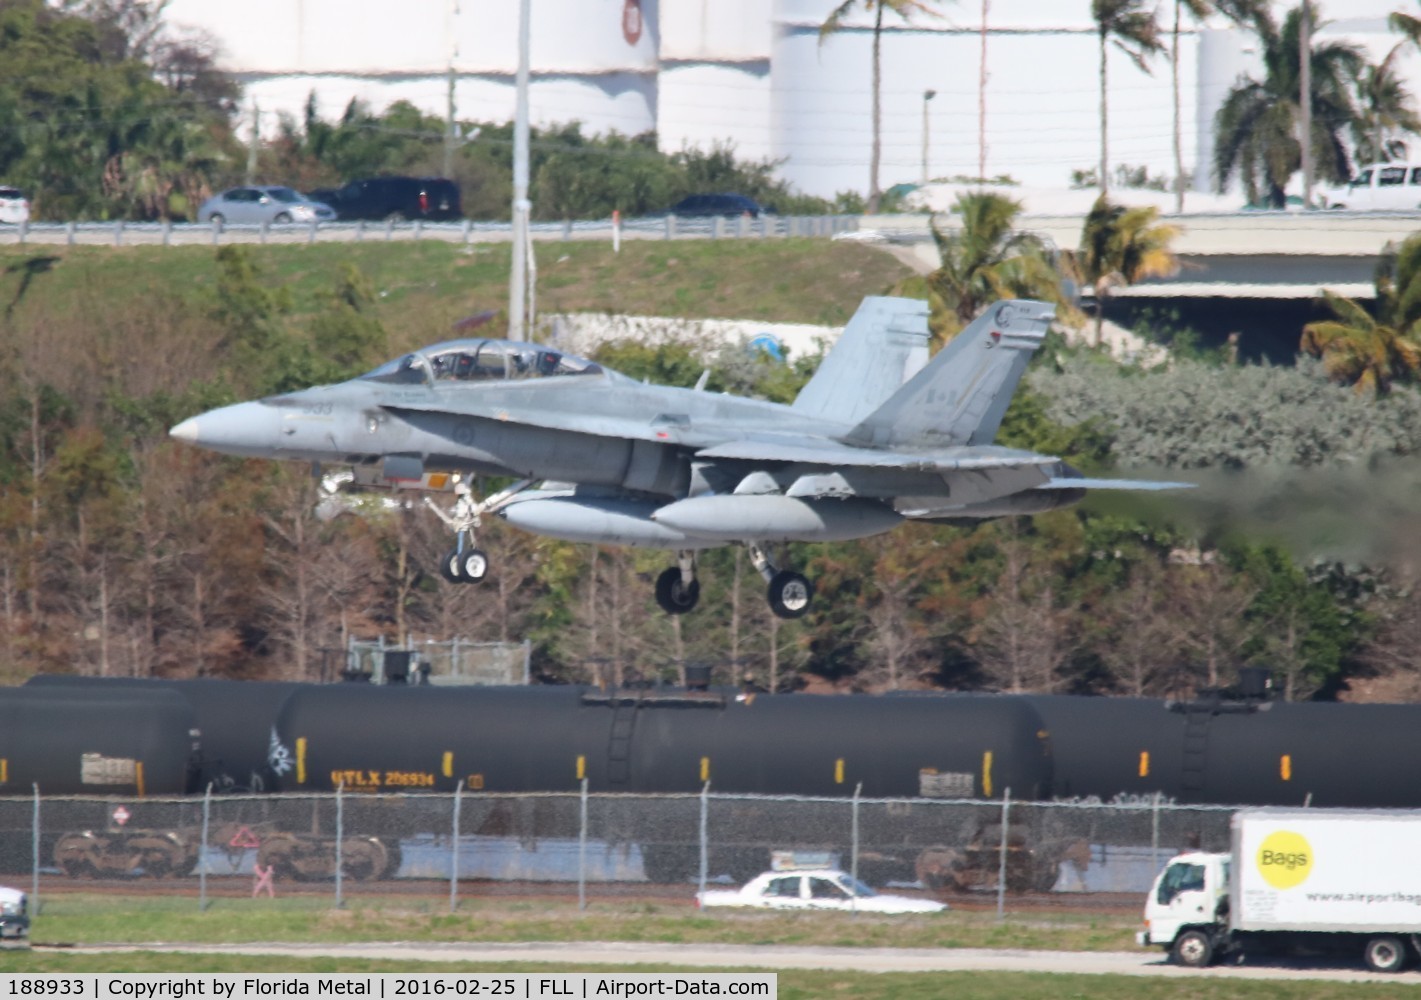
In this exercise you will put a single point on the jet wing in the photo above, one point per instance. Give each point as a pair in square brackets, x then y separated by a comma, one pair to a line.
[830, 453]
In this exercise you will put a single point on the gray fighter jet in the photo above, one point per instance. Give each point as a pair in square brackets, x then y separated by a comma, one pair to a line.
[877, 436]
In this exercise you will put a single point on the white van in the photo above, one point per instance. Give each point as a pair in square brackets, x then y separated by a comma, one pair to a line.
[1379, 187]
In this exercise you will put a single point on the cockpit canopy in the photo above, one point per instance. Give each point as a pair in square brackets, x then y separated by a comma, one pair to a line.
[482, 361]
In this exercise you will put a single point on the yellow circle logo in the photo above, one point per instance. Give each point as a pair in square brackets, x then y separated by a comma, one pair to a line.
[1284, 859]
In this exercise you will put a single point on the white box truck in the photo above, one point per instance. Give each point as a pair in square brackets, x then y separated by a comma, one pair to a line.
[1334, 881]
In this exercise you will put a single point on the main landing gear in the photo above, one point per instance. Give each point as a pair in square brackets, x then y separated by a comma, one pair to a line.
[465, 563]
[788, 593]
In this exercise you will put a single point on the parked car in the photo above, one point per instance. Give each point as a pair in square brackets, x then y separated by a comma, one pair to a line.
[14, 914]
[14, 206]
[395, 199]
[711, 205]
[819, 889]
[1378, 187]
[268, 203]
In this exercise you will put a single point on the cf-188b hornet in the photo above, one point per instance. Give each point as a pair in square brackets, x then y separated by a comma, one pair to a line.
[879, 435]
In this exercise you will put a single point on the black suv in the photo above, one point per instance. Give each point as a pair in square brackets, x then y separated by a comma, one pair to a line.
[709, 205]
[395, 199]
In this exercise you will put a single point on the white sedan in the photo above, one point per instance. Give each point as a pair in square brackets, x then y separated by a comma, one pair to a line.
[821, 889]
[14, 914]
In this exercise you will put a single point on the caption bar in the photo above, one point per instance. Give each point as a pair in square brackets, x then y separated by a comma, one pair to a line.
[388, 986]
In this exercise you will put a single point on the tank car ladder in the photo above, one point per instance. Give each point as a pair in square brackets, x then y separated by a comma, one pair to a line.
[619, 741]
[1197, 720]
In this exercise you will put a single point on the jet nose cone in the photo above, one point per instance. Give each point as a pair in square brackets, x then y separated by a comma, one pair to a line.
[240, 429]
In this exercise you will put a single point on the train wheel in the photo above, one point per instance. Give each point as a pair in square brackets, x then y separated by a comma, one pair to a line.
[1194, 949]
[278, 852]
[363, 859]
[937, 869]
[74, 855]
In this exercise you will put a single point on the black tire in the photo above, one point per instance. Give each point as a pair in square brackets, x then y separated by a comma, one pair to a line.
[790, 594]
[1193, 949]
[1385, 953]
[282, 218]
[473, 567]
[449, 567]
[674, 596]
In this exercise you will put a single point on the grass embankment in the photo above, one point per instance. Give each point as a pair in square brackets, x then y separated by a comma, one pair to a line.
[423, 287]
[84, 919]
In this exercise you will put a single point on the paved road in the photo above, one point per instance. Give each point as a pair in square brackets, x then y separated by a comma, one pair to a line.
[584, 955]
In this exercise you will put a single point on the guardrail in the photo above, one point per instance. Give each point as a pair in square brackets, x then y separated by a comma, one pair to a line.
[468, 231]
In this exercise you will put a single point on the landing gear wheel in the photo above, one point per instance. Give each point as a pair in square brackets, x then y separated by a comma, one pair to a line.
[1385, 953]
[674, 596]
[473, 567]
[449, 566]
[1194, 949]
[790, 594]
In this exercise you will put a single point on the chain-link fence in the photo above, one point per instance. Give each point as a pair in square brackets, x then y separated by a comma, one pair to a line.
[1003, 853]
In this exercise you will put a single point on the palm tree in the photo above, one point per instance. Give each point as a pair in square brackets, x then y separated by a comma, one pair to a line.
[904, 9]
[1386, 109]
[1373, 351]
[1256, 129]
[1120, 246]
[1240, 12]
[988, 259]
[1135, 32]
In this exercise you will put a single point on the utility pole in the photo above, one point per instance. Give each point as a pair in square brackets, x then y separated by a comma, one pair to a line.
[518, 266]
[982, 99]
[1305, 97]
[451, 127]
[928, 95]
[254, 145]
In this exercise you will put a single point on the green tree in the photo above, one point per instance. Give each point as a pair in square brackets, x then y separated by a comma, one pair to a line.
[987, 259]
[1241, 12]
[1119, 247]
[1387, 112]
[89, 126]
[1256, 128]
[905, 9]
[1135, 32]
[1370, 351]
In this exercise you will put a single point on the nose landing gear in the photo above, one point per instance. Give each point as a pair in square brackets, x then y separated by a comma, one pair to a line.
[465, 563]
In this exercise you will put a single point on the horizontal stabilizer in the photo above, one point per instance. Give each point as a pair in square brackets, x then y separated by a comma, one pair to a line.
[1069, 483]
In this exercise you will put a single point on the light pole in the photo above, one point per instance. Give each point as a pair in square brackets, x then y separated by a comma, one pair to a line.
[928, 95]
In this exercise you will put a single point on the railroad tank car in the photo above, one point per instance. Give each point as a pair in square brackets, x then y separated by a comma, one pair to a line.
[234, 718]
[1233, 751]
[80, 742]
[546, 739]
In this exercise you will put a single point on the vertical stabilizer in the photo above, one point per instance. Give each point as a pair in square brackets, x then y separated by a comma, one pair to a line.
[884, 345]
[960, 397]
